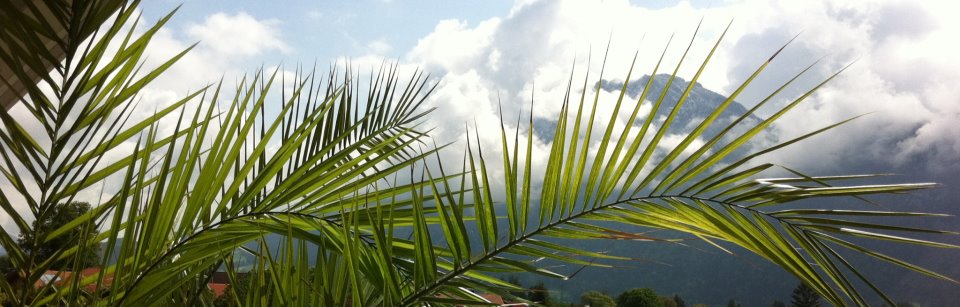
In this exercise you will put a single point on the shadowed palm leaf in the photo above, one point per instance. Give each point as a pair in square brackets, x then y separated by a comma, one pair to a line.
[685, 189]
[315, 191]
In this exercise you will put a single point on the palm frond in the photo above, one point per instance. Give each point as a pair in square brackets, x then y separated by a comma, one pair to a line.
[326, 196]
[719, 205]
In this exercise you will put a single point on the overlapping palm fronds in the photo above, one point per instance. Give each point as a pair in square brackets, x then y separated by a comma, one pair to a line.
[69, 120]
[701, 191]
[189, 199]
[314, 190]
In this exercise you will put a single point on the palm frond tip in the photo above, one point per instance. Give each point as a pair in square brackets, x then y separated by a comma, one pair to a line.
[331, 199]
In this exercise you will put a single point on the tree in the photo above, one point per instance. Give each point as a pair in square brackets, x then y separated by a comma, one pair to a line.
[778, 304]
[538, 293]
[639, 297]
[5, 265]
[597, 299]
[679, 301]
[78, 236]
[733, 303]
[804, 296]
[518, 293]
[667, 301]
[338, 174]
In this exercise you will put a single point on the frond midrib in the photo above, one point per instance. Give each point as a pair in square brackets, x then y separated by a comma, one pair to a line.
[462, 268]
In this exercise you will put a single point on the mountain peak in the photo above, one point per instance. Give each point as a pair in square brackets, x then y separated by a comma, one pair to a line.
[700, 103]
[659, 82]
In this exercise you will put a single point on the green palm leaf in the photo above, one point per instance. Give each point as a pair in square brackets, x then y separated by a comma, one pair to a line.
[329, 199]
[714, 205]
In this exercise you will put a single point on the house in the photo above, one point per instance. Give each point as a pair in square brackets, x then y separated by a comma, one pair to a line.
[219, 283]
[59, 278]
[492, 298]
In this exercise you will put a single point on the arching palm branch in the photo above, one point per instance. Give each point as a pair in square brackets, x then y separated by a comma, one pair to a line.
[706, 193]
[329, 200]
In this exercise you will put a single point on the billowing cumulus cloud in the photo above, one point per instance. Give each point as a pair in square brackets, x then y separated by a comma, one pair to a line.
[530, 54]
[237, 35]
[906, 74]
[903, 75]
[226, 44]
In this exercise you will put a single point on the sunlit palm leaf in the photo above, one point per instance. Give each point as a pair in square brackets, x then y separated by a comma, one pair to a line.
[716, 204]
[329, 198]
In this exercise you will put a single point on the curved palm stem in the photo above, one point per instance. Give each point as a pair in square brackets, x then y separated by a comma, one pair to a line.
[176, 247]
[795, 246]
[179, 211]
[463, 268]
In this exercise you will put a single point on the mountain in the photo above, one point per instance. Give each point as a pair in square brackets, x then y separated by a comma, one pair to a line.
[699, 104]
[702, 274]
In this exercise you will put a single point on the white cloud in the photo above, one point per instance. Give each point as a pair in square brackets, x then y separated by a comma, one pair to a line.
[453, 46]
[906, 75]
[909, 89]
[379, 47]
[532, 50]
[237, 35]
[228, 45]
[903, 77]
[536, 44]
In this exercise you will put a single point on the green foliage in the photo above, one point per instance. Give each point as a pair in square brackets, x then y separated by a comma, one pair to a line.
[778, 304]
[639, 297]
[538, 293]
[5, 265]
[57, 217]
[352, 206]
[597, 299]
[733, 303]
[804, 296]
[667, 301]
[679, 301]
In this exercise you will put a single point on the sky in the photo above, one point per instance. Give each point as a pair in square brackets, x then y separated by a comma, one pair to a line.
[903, 69]
[902, 74]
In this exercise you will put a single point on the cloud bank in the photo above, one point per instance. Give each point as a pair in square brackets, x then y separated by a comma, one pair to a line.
[903, 74]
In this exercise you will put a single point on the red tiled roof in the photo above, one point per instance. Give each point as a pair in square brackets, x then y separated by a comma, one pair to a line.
[60, 277]
[222, 277]
[489, 297]
[493, 298]
[218, 288]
